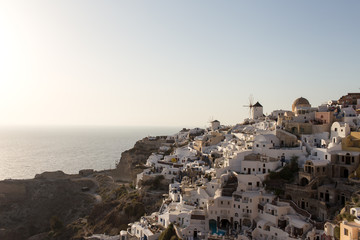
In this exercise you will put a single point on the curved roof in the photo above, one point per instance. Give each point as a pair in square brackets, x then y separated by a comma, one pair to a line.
[300, 102]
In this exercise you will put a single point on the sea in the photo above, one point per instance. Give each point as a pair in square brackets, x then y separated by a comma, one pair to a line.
[27, 151]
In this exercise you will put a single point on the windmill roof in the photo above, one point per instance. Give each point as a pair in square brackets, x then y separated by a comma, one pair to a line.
[257, 104]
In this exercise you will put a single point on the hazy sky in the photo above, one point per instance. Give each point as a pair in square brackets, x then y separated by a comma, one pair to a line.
[171, 63]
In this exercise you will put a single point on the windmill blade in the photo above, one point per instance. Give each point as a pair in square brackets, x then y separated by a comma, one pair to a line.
[251, 100]
[211, 118]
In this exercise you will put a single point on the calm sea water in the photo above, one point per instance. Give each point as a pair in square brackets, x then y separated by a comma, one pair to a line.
[25, 152]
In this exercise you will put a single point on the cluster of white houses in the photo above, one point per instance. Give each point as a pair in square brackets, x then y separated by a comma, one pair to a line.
[217, 176]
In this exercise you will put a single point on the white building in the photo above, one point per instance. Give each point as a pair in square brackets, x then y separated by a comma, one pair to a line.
[339, 130]
[146, 228]
[257, 164]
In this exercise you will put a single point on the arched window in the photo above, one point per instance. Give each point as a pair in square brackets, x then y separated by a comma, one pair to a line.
[236, 214]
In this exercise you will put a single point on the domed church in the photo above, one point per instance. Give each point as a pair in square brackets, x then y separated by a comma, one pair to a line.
[301, 106]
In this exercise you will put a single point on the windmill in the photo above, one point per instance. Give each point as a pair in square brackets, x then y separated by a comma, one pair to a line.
[251, 104]
[214, 124]
[211, 118]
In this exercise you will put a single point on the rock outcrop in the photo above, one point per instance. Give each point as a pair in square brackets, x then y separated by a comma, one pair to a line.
[132, 158]
[27, 206]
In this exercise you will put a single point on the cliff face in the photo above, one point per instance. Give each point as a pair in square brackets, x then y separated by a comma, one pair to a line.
[105, 206]
[26, 206]
[126, 169]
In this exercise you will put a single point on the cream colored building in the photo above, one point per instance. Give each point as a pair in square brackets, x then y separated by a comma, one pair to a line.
[349, 230]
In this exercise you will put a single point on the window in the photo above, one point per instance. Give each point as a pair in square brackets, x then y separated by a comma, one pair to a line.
[325, 156]
[335, 129]
[346, 232]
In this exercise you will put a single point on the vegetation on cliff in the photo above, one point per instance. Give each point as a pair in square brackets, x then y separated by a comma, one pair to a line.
[276, 180]
[154, 183]
[169, 233]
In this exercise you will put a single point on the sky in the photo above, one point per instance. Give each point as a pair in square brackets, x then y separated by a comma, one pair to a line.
[171, 63]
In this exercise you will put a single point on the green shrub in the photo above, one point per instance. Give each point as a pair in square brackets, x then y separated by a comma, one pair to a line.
[346, 216]
[154, 183]
[169, 233]
[288, 172]
[337, 232]
[134, 209]
[55, 224]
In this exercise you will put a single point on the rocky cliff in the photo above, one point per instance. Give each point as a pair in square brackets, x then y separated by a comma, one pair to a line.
[128, 167]
[58, 206]
[26, 206]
